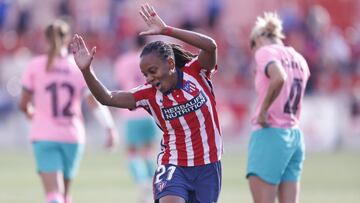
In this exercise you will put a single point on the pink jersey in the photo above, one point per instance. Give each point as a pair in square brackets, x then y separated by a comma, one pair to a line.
[284, 112]
[128, 76]
[57, 98]
[187, 117]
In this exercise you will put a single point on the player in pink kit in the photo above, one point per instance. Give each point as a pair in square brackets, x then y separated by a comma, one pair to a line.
[179, 96]
[53, 88]
[139, 129]
[276, 149]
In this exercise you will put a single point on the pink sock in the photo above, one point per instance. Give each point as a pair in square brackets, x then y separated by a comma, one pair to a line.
[68, 199]
[54, 197]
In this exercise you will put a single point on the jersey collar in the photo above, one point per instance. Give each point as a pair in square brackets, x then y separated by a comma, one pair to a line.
[179, 84]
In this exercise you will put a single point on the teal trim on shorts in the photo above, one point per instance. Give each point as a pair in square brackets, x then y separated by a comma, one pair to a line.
[57, 156]
[276, 155]
[140, 132]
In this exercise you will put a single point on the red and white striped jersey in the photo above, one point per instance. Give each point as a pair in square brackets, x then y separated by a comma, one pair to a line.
[187, 117]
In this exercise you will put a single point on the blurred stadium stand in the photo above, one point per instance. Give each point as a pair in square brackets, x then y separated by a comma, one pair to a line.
[326, 32]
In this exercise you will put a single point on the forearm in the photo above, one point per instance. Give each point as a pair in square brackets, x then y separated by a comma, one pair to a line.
[25, 104]
[193, 38]
[272, 93]
[100, 92]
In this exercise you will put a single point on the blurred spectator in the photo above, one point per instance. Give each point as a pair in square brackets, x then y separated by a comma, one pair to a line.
[214, 11]
[4, 7]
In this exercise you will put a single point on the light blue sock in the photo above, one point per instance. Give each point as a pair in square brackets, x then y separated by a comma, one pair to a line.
[150, 168]
[138, 169]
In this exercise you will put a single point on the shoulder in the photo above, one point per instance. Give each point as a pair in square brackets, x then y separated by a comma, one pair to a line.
[145, 88]
[194, 68]
[265, 55]
[266, 51]
[36, 63]
[194, 63]
[144, 91]
[302, 60]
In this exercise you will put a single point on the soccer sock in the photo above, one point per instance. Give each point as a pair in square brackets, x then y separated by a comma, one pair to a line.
[138, 169]
[54, 197]
[150, 167]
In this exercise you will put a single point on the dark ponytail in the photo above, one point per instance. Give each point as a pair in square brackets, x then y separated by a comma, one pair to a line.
[182, 56]
[166, 51]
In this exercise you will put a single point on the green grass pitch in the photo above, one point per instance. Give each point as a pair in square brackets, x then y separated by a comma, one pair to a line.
[103, 177]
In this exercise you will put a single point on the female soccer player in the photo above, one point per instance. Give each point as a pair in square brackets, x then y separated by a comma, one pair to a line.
[179, 96]
[51, 98]
[276, 149]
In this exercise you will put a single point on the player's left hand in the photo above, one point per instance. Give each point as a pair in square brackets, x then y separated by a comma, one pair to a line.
[155, 24]
[262, 120]
[82, 56]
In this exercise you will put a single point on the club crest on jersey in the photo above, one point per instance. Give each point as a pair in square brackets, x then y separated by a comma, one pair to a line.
[189, 87]
[160, 186]
[179, 110]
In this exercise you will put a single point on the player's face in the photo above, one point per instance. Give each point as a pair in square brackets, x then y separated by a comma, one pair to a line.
[159, 73]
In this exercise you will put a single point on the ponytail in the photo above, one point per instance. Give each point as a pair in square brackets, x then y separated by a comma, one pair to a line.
[56, 34]
[54, 45]
[181, 55]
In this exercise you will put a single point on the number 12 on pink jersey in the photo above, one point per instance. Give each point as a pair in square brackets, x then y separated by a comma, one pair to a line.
[53, 88]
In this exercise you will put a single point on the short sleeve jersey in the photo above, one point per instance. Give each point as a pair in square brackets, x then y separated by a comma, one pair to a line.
[57, 96]
[284, 112]
[187, 117]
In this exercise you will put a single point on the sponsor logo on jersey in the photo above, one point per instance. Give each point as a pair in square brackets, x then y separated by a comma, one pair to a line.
[182, 109]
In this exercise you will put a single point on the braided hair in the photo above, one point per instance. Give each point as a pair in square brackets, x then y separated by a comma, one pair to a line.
[166, 51]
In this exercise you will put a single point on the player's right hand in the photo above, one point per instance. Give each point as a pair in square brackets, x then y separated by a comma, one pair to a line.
[82, 56]
[155, 24]
[262, 120]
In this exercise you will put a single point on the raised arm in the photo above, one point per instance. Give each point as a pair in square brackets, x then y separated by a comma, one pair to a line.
[83, 59]
[208, 48]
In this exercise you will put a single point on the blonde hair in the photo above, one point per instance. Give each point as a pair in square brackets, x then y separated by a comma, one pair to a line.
[57, 34]
[270, 25]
